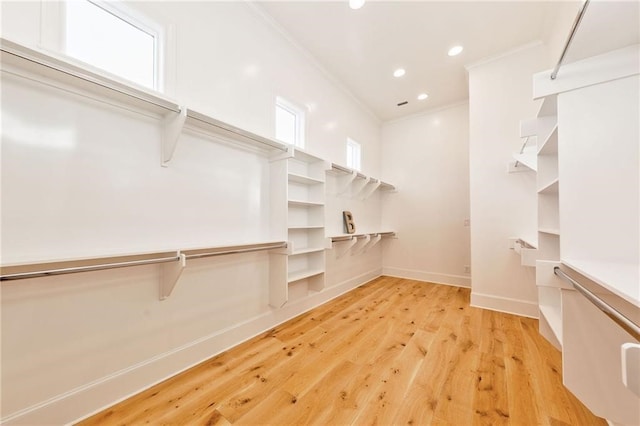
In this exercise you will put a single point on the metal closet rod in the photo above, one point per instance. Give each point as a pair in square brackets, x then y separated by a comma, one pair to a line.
[574, 28]
[620, 319]
[161, 258]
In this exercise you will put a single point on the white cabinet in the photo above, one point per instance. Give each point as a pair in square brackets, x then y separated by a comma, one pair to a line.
[588, 210]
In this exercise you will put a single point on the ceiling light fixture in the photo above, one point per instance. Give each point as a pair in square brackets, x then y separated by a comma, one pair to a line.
[455, 50]
[399, 72]
[356, 4]
[422, 96]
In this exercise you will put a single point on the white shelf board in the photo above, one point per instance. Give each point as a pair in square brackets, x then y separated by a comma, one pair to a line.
[304, 156]
[528, 158]
[550, 188]
[549, 106]
[551, 231]
[385, 186]
[235, 134]
[64, 70]
[301, 203]
[300, 275]
[550, 143]
[307, 227]
[306, 251]
[622, 279]
[305, 180]
[554, 319]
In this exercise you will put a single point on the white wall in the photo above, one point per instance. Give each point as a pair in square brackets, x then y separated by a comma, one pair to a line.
[74, 344]
[427, 157]
[503, 205]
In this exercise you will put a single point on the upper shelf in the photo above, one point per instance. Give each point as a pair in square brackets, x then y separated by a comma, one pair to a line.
[64, 71]
[337, 169]
[212, 125]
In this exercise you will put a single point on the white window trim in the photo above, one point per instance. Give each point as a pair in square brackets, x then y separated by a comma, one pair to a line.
[52, 39]
[299, 113]
[357, 149]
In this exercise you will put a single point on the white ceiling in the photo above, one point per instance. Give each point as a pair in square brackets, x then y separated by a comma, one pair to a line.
[361, 48]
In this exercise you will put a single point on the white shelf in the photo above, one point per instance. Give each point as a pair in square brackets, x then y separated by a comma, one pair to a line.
[63, 70]
[550, 144]
[305, 157]
[300, 203]
[528, 158]
[306, 227]
[236, 134]
[306, 251]
[551, 231]
[554, 319]
[622, 279]
[385, 186]
[548, 107]
[300, 275]
[550, 188]
[305, 180]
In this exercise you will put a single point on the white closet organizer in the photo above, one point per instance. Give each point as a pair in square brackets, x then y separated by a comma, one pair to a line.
[355, 183]
[298, 212]
[589, 190]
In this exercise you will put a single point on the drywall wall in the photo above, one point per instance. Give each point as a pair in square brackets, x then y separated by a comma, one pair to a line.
[74, 344]
[427, 157]
[503, 205]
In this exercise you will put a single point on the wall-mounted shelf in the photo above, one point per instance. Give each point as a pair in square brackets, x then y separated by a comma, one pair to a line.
[528, 251]
[550, 144]
[301, 275]
[301, 203]
[173, 263]
[363, 189]
[304, 180]
[104, 86]
[525, 161]
[550, 188]
[551, 231]
[63, 70]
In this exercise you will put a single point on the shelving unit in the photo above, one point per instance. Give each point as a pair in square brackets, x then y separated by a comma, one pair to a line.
[298, 212]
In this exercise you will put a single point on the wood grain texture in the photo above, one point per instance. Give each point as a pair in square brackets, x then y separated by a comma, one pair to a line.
[393, 351]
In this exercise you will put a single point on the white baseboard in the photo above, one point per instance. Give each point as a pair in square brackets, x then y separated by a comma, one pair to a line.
[432, 277]
[91, 398]
[505, 304]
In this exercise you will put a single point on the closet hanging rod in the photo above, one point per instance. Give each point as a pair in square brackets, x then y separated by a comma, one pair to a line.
[71, 70]
[198, 254]
[340, 168]
[620, 319]
[37, 270]
[574, 28]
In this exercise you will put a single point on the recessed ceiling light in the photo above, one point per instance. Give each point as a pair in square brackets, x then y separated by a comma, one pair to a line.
[399, 72]
[455, 50]
[422, 96]
[356, 4]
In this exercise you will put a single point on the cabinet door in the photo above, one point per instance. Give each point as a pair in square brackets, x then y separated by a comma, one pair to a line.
[592, 361]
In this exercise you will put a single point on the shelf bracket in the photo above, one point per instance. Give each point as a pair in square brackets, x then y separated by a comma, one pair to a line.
[352, 242]
[344, 182]
[366, 239]
[372, 242]
[369, 189]
[172, 128]
[170, 274]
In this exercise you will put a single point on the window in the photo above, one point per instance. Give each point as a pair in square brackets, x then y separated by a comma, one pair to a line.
[108, 38]
[354, 154]
[289, 123]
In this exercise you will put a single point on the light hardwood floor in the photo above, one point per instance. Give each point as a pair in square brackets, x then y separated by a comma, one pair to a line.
[393, 351]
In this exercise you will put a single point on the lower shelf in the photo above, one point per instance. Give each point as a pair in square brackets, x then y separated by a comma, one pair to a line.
[300, 275]
[550, 305]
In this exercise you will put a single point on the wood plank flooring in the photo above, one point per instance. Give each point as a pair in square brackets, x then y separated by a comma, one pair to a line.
[393, 351]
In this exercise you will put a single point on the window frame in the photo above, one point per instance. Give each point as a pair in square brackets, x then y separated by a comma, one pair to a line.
[356, 149]
[54, 37]
[299, 113]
